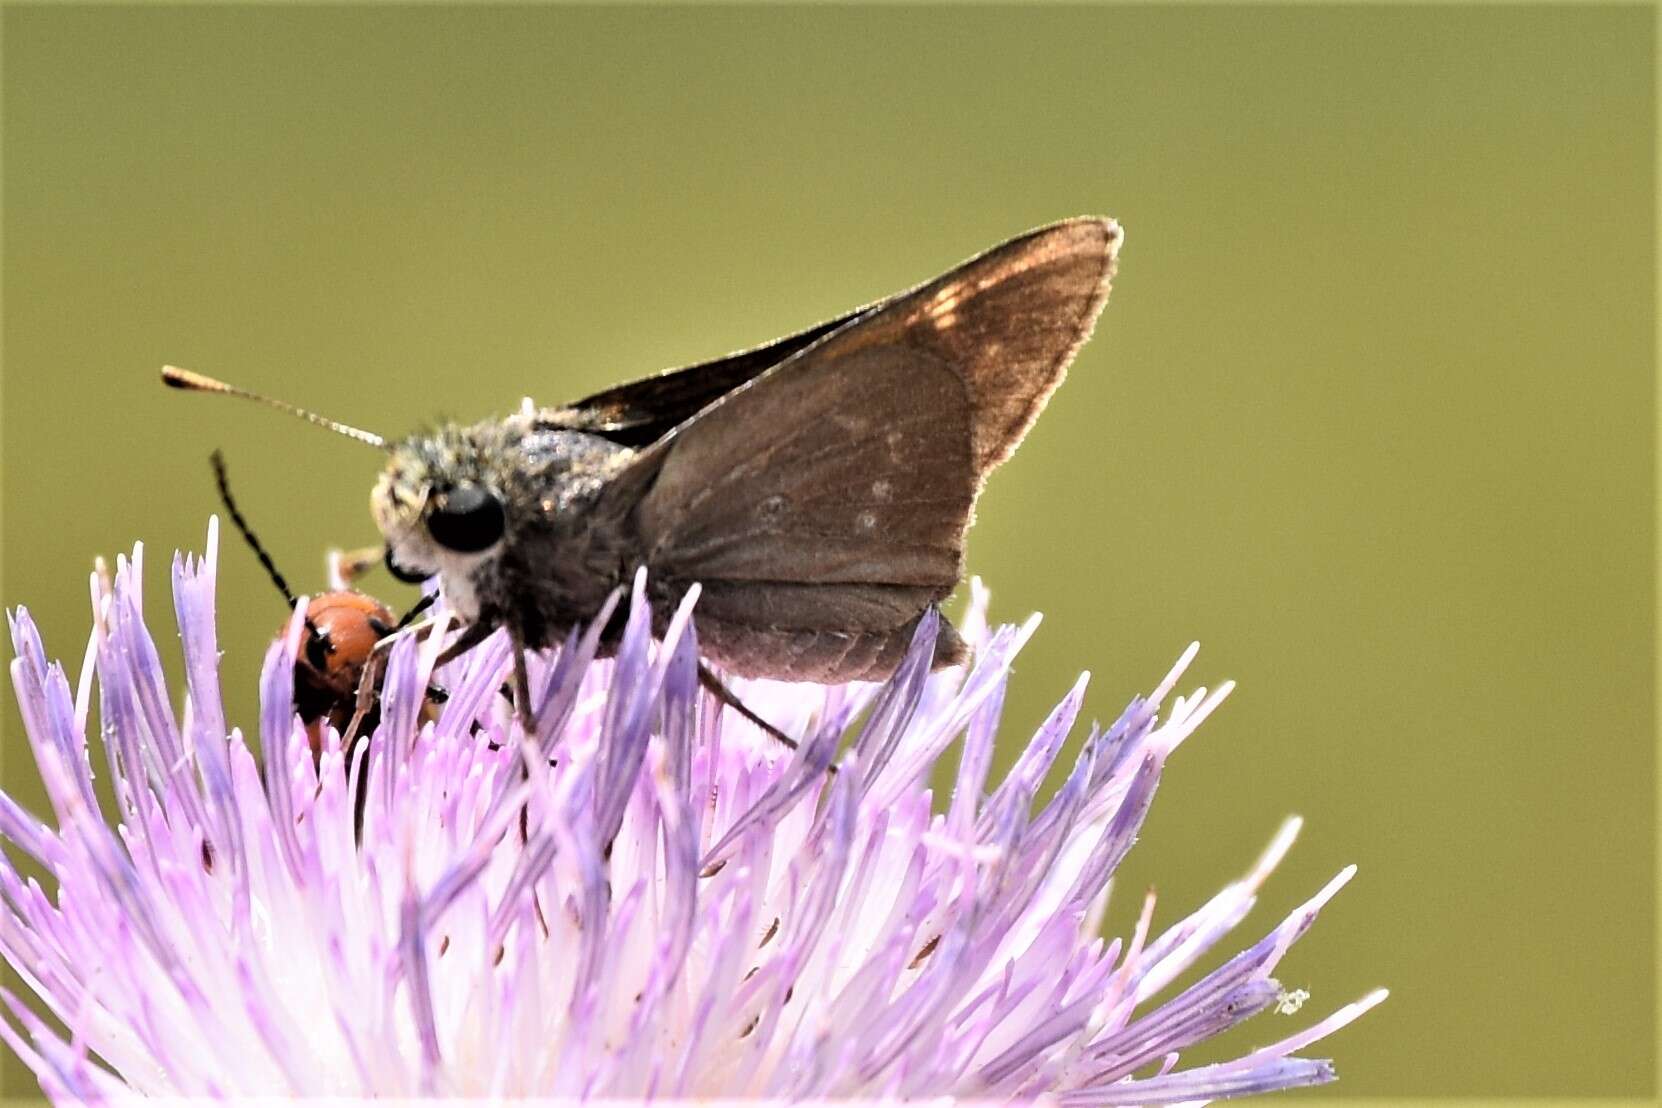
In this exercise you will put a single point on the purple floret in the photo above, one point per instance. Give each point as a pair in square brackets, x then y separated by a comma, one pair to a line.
[648, 898]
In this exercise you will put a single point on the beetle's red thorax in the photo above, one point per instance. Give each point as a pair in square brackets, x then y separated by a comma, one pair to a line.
[343, 628]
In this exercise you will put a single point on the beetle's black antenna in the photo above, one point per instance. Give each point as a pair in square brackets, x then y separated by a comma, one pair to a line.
[217, 459]
[191, 381]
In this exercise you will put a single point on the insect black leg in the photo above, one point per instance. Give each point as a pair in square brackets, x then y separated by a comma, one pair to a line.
[472, 635]
[527, 719]
[707, 677]
[369, 681]
[419, 607]
[522, 685]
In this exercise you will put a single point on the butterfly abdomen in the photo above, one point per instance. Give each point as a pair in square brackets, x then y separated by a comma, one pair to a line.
[794, 632]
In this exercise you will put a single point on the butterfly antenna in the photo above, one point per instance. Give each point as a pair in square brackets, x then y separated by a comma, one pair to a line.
[191, 381]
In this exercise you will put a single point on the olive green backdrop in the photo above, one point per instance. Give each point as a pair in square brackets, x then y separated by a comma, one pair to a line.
[1370, 413]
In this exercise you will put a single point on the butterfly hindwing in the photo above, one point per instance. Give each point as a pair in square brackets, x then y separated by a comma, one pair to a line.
[638, 413]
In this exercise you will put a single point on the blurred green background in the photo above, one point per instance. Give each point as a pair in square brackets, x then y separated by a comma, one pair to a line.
[1370, 413]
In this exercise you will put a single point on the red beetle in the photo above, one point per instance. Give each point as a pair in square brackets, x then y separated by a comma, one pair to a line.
[342, 628]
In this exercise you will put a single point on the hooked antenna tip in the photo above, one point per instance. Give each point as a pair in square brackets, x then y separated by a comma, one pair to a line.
[174, 377]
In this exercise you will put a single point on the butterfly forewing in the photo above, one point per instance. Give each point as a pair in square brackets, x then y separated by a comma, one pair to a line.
[1007, 323]
[789, 481]
[1048, 281]
[836, 486]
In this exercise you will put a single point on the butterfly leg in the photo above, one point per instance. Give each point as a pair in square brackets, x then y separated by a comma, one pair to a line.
[369, 681]
[527, 723]
[711, 682]
[522, 685]
[472, 635]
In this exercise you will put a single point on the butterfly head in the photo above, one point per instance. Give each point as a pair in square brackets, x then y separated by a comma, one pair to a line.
[442, 510]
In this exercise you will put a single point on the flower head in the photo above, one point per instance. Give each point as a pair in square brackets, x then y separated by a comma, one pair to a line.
[647, 898]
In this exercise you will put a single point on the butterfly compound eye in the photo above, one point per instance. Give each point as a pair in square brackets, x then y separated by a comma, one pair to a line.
[467, 520]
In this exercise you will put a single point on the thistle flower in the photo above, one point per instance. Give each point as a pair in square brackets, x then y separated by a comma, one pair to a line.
[684, 909]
